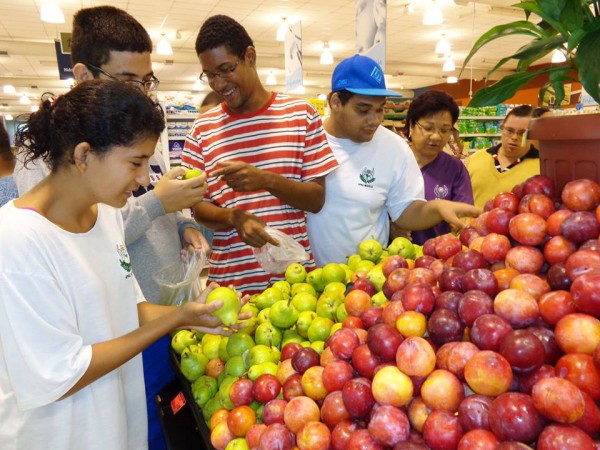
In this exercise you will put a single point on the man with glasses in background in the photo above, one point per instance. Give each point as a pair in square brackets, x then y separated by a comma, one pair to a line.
[265, 154]
[109, 43]
[501, 167]
[378, 177]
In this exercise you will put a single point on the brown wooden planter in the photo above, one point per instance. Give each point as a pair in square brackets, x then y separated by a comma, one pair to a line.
[569, 147]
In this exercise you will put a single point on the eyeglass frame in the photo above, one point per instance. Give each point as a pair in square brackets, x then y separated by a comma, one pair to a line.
[208, 77]
[141, 85]
[512, 132]
[427, 132]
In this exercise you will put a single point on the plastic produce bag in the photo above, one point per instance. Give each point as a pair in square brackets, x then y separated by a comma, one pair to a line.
[179, 281]
[275, 259]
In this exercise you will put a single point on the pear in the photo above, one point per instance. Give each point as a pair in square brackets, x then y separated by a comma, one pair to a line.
[182, 339]
[228, 313]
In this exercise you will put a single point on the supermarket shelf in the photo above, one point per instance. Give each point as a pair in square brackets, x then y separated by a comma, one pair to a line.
[479, 135]
[481, 118]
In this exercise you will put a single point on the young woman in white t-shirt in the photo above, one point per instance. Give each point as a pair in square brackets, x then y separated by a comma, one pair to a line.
[73, 320]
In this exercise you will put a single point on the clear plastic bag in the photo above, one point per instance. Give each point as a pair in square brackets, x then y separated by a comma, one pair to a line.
[275, 259]
[179, 281]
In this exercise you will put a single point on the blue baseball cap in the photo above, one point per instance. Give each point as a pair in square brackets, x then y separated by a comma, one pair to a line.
[360, 75]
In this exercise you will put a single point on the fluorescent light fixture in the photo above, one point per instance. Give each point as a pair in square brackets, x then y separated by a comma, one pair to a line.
[271, 80]
[451, 80]
[558, 56]
[449, 65]
[24, 100]
[198, 85]
[9, 89]
[442, 47]
[163, 47]
[281, 30]
[433, 15]
[50, 12]
[326, 56]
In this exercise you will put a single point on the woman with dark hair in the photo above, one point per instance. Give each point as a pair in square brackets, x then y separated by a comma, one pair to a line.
[8, 188]
[429, 124]
[73, 319]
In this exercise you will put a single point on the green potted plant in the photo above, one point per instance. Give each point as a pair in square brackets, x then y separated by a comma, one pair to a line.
[569, 144]
[569, 26]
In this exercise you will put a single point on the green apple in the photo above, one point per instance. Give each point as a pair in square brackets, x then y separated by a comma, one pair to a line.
[285, 287]
[365, 265]
[268, 297]
[319, 329]
[248, 325]
[370, 249]
[295, 273]
[182, 339]
[316, 280]
[403, 247]
[418, 250]
[224, 391]
[237, 444]
[333, 272]
[379, 298]
[305, 318]
[193, 364]
[257, 370]
[283, 314]
[326, 306]
[348, 271]
[317, 346]
[258, 354]
[291, 335]
[210, 408]
[304, 301]
[353, 261]
[336, 326]
[228, 313]
[268, 334]
[203, 389]
[384, 254]
[223, 348]
[263, 315]
[303, 287]
[341, 313]
[336, 289]
[235, 366]
[210, 345]
[251, 308]
[191, 173]
[376, 276]
[238, 343]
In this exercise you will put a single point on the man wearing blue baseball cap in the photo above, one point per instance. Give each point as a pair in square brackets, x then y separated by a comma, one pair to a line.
[378, 177]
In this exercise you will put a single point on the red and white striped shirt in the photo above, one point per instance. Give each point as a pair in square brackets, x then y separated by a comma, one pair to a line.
[286, 136]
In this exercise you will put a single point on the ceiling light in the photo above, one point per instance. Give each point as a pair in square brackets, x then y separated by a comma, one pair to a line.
[442, 47]
[9, 89]
[8, 117]
[326, 56]
[451, 80]
[198, 85]
[271, 80]
[51, 12]
[449, 65]
[433, 15]
[281, 30]
[558, 56]
[163, 47]
[409, 8]
[24, 100]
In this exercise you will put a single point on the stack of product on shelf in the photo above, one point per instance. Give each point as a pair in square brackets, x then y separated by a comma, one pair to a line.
[480, 127]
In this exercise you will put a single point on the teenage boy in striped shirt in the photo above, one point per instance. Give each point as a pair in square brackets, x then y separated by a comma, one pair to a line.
[265, 154]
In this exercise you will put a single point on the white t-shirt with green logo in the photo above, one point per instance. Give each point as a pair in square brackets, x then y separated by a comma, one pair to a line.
[374, 179]
[61, 292]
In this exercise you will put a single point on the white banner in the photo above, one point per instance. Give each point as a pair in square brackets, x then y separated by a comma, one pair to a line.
[371, 18]
[293, 57]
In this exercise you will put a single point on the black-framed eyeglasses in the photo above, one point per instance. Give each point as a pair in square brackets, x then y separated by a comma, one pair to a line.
[224, 73]
[429, 130]
[144, 86]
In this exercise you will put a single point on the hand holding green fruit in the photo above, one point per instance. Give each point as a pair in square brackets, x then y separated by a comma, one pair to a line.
[191, 173]
[228, 313]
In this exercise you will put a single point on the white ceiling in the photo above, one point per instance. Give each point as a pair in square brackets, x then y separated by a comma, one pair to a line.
[30, 61]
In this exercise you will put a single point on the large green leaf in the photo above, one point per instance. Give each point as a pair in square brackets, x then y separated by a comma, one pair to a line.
[554, 22]
[518, 27]
[588, 63]
[573, 15]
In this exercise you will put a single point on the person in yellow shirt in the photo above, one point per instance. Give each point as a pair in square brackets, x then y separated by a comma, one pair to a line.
[499, 168]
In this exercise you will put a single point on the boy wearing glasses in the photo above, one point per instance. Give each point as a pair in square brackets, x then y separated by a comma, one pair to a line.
[378, 177]
[265, 154]
[108, 43]
[501, 167]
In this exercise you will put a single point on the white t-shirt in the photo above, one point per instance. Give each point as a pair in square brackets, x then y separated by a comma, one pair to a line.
[61, 292]
[374, 179]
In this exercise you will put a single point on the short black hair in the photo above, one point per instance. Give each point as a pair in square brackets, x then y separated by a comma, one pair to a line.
[428, 103]
[222, 30]
[98, 31]
[539, 112]
[343, 95]
[103, 113]
[520, 111]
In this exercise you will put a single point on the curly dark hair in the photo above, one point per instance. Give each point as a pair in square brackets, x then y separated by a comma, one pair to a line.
[103, 113]
[6, 153]
[429, 103]
[223, 30]
[100, 30]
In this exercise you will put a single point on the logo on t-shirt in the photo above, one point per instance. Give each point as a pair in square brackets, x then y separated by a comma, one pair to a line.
[440, 191]
[124, 259]
[367, 176]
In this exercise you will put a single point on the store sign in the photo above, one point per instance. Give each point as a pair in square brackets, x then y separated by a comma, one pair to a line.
[371, 17]
[587, 99]
[65, 69]
[293, 57]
